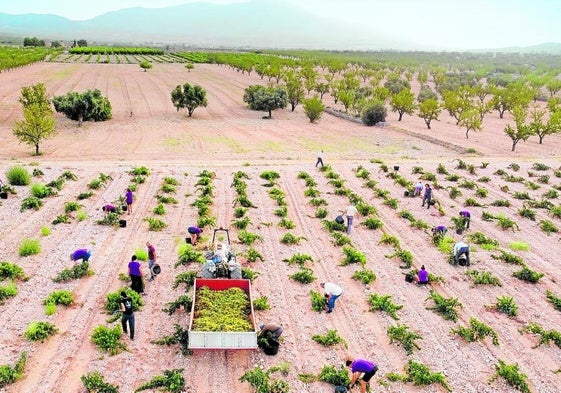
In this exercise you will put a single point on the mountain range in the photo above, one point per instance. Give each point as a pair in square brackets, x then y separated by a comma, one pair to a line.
[253, 24]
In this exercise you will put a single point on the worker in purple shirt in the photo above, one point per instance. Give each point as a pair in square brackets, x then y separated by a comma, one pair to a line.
[422, 276]
[467, 218]
[129, 199]
[82, 254]
[135, 274]
[361, 367]
[195, 233]
[109, 208]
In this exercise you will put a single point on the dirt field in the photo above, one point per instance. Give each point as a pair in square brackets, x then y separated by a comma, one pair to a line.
[226, 137]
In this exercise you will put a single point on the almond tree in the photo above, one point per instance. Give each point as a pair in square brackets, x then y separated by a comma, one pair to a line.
[522, 131]
[403, 103]
[541, 128]
[471, 120]
[429, 110]
[38, 117]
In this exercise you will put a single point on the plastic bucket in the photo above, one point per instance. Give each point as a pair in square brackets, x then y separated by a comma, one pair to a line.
[156, 269]
[271, 348]
[188, 240]
[3, 195]
[122, 223]
[396, 168]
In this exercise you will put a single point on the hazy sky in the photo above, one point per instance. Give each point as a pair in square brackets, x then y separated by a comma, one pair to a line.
[432, 24]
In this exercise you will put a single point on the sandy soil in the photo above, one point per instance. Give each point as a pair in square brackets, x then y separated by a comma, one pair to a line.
[226, 137]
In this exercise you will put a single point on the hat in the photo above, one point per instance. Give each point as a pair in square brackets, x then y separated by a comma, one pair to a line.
[261, 326]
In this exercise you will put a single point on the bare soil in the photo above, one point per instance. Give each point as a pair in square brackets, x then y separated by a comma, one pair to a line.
[226, 137]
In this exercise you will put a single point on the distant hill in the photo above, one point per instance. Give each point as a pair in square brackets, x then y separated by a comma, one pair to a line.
[553, 48]
[256, 24]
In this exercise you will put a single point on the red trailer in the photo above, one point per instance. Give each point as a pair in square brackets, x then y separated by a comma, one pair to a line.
[222, 340]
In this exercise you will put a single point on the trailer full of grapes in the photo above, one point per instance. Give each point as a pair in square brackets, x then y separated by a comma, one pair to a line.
[222, 315]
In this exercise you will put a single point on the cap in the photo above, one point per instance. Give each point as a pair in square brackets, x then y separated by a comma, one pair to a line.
[261, 326]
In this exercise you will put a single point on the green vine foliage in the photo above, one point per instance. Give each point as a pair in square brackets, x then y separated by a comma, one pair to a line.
[299, 259]
[171, 381]
[445, 307]
[187, 278]
[384, 303]
[180, 336]
[304, 276]
[366, 276]
[76, 272]
[11, 271]
[184, 301]
[506, 305]
[545, 335]
[108, 339]
[95, 382]
[318, 301]
[262, 382]
[188, 254]
[527, 274]
[333, 376]
[352, 255]
[420, 375]
[477, 331]
[10, 374]
[329, 339]
[511, 374]
[405, 337]
[261, 303]
[554, 300]
[483, 278]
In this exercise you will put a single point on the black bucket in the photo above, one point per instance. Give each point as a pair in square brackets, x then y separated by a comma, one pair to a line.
[3, 195]
[188, 240]
[405, 193]
[122, 223]
[459, 231]
[156, 269]
[341, 389]
[396, 168]
[271, 348]
[409, 278]
[432, 202]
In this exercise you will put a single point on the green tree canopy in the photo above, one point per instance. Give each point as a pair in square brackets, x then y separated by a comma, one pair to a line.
[313, 108]
[471, 120]
[429, 110]
[188, 96]
[522, 131]
[145, 65]
[38, 120]
[90, 105]
[33, 41]
[261, 98]
[403, 102]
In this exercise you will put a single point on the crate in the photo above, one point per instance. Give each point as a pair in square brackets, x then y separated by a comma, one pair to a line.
[222, 340]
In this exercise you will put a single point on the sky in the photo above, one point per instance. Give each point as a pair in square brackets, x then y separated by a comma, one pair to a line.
[428, 24]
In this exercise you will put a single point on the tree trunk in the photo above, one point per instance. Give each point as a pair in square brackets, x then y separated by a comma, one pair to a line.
[270, 114]
[467, 133]
[427, 122]
[514, 145]
[400, 116]
[36, 149]
[293, 106]
[541, 138]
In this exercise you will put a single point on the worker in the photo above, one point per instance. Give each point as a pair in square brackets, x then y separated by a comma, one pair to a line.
[82, 253]
[270, 331]
[195, 233]
[461, 253]
[467, 218]
[361, 367]
[422, 277]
